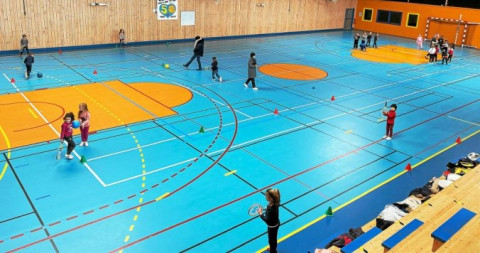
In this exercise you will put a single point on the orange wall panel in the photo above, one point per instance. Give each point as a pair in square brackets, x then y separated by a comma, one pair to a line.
[424, 11]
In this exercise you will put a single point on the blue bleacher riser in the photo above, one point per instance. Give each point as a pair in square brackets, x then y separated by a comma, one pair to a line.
[361, 240]
[453, 225]
[402, 234]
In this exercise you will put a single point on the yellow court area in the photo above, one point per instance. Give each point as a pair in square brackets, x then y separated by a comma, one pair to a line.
[392, 54]
[38, 116]
[293, 71]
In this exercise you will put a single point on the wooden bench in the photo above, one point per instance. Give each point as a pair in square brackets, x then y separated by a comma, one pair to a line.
[361, 240]
[401, 234]
[450, 227]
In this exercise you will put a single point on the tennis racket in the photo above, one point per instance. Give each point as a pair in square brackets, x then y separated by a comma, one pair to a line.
[59, 151]
[384, 109]
[253, 210]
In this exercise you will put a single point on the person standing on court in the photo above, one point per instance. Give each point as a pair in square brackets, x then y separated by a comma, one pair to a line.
[23, 45]
[197, 52]
[252, 71]
[29, 60]
[271, 217]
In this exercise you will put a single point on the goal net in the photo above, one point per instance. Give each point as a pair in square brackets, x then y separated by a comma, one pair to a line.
[456, 31]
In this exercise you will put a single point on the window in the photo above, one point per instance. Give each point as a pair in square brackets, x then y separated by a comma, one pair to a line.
[367, 14]
[389, 17]
[412, 20]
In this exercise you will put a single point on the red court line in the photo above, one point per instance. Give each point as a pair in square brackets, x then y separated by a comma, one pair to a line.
[228, 203]
[152, 201]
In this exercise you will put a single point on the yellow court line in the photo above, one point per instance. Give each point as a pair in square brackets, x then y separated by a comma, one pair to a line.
[367, 192]
[33, 114]
[230, 173]
[349, 131]
[163, 196]
[7, 141]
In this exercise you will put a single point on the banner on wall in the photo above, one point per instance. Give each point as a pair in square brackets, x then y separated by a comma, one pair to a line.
[167, 9]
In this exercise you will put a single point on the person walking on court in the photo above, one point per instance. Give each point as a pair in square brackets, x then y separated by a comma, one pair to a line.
[252, 71]
[84, 119]
[390, 121]
[419, 42]
[369, 39]
[197, 52]
[24, 45]
[215, 69]
[29, 60]
[66, 134]
[355, 40]
[271, 217]
[375, 39]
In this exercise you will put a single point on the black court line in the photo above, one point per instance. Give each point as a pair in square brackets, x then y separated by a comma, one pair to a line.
[31, 203]
[16, 217]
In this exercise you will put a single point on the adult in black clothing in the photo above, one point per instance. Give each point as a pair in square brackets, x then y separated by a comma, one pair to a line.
[271, 217]
[197, 52]
[355, 40]
[369, 39]
[29, 62]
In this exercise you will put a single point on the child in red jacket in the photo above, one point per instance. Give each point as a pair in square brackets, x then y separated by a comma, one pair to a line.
[390, 121]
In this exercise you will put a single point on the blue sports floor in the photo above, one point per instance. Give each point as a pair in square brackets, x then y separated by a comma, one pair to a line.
[190, 191]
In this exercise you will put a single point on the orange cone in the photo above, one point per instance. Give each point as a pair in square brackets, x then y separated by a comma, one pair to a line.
[333, 98]
[276, 111]
[12, 80]
[459, 140]
[95, 72]
[408, 167]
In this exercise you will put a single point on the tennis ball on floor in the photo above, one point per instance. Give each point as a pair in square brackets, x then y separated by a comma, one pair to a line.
[167, 66]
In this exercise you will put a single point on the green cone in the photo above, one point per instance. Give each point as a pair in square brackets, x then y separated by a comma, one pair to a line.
[83, 159]
[329, 211]
[201, 130]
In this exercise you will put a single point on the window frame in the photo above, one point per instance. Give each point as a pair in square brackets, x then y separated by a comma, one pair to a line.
[389, 17]
[371, 15]
[408, 19]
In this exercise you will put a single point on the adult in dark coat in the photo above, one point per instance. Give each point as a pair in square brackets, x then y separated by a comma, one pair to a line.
[252, 71]
[197, 52]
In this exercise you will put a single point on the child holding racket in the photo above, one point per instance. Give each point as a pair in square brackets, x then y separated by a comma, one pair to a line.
[67, 134]
[84, 119]
[271, 217]
[390, 121]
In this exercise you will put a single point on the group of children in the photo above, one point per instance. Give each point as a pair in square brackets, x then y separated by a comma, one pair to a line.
[437, 45]
[365, 40]
[66, 134]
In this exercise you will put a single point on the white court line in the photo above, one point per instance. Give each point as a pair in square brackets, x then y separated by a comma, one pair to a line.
[54, 130]
[466, 121]
[281, 132]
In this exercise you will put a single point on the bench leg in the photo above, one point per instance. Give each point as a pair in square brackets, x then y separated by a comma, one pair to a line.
[436, 244]
[385, 250]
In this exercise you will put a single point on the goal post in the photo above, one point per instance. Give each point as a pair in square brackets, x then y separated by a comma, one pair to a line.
[457, 31]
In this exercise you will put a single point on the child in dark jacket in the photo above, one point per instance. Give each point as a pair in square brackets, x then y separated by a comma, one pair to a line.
[67, 134]
[215, 69]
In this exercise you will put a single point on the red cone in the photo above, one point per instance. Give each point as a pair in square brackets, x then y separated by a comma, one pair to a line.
[408, 167]
[95, 72]
[459, 140]
[333, 98]
[12, 80]
[59, 51]
[276, 111]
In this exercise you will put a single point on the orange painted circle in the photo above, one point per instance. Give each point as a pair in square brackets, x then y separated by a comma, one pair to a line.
[293, 71]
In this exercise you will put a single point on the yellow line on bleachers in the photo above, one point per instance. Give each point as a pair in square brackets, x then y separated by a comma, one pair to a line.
[367, 192]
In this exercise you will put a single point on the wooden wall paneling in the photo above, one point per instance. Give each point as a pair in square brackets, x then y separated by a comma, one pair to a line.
[60, 23]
